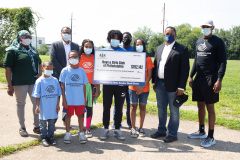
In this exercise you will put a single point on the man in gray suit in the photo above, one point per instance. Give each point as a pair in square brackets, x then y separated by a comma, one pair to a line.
[169, 78]
[59, 55]
[60, 51]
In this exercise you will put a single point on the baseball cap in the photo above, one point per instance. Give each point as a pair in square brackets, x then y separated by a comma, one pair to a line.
[207, 23]
[179, 100]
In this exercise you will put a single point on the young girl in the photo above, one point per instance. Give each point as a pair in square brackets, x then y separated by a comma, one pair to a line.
[93, 90]
[140, 93]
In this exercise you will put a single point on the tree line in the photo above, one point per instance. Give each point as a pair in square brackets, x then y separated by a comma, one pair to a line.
[188, 36]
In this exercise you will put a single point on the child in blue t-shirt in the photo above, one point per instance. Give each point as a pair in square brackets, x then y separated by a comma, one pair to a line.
[47, 91]
[73, 80]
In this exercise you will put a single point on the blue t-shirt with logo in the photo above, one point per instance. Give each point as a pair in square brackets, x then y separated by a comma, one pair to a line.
[114, 49]
[129, 49]
[48, 90]
[74, 80]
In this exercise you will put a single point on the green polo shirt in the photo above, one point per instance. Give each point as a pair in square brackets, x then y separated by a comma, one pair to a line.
[21, 66]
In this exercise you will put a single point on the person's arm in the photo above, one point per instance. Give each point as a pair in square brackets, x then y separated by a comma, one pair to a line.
[39, 71]
[97, 94]
[64, 101]
[37, 110]
[84, 91]
[8, 72]
[57, 107]
[222, 61]
[184, 71]
[193, 71]
[57, 66]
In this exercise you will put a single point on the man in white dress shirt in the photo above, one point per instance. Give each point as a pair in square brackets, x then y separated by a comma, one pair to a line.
[169, 79]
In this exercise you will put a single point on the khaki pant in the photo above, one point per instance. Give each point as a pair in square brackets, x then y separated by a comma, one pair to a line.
[21, 94]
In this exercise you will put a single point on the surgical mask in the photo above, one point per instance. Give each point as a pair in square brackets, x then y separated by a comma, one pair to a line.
[26, 41]
[139, 48]
[206, 31]
[74, 61]
[88, 50]
[169, 38]
[48, 72]
[66, 37]
[126, 41]
[115, 42]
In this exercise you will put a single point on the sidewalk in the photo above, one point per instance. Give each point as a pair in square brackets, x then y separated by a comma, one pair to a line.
[227, 141]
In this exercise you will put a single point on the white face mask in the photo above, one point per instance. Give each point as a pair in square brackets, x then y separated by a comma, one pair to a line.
[88, 50]
[48, 72]
[26, 41]
[74, 61]
[139, 48]
[66, 37]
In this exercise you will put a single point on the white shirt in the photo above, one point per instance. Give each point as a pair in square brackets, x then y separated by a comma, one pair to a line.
[166, 50]
[67, 48]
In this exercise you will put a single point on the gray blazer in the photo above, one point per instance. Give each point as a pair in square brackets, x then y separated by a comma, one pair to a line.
[176, 69]
[58, 56]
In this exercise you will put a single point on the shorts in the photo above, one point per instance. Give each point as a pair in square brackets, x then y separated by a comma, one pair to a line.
[135, 99]
[79, 110]
[202, 89]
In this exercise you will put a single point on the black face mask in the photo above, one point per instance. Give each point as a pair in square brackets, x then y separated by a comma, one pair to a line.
[126, 41]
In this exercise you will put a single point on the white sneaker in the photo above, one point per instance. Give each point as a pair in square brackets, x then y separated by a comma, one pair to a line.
[118, 134]
[82, 137]
[67, 137]
[133, 133]
[88, 133]
[104, 134]
[112, 127]
[197, 135]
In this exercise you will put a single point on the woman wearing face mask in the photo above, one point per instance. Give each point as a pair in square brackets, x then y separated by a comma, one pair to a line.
[140, 93]
[22, 67]
[92, 90]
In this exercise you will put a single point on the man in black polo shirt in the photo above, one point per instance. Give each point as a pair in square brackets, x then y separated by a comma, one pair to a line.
[209, 66]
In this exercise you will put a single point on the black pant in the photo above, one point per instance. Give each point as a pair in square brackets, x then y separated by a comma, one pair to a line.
[119, 93]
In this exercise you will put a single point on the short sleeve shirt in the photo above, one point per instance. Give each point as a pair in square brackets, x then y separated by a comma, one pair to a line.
[48, 90]
[74, 79]
[21, 67]
[149, 65]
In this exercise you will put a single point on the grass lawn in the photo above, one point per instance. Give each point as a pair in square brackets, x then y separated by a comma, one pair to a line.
[227, 110]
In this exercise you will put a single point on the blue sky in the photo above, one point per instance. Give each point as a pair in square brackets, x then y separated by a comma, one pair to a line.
[94, 18]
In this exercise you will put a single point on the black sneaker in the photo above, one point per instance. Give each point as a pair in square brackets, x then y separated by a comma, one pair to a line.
[45, 142]
[52, 141]
[23, 132]
[36, 130]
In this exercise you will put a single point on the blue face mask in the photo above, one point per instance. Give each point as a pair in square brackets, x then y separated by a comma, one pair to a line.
[169, 38]
[88, 50]
[206, 31]
[115, 42]
[139, 48]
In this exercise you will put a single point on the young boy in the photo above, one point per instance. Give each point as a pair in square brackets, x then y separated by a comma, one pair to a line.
[73, 80]
[47, 91]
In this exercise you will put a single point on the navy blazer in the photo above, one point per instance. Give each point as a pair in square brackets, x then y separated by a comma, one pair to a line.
[176, 69]
[58, 56]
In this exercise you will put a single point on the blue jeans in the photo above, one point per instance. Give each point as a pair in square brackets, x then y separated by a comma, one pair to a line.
[43, 128]
[164, 99]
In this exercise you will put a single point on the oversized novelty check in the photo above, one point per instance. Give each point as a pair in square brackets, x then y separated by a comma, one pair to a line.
[119, 68]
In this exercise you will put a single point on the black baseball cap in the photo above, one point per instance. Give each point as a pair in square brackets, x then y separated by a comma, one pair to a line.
[179, 100]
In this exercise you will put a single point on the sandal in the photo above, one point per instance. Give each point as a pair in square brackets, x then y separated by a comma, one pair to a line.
[36, 130]
[23, 132]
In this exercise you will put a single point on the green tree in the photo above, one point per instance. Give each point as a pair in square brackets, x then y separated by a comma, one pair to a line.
[43, 50]
[234, 46]
[154, 41]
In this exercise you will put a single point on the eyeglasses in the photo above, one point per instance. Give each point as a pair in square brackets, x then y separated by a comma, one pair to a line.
[26, 37]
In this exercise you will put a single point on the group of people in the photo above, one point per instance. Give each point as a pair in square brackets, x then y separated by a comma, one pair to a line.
[69, 74]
